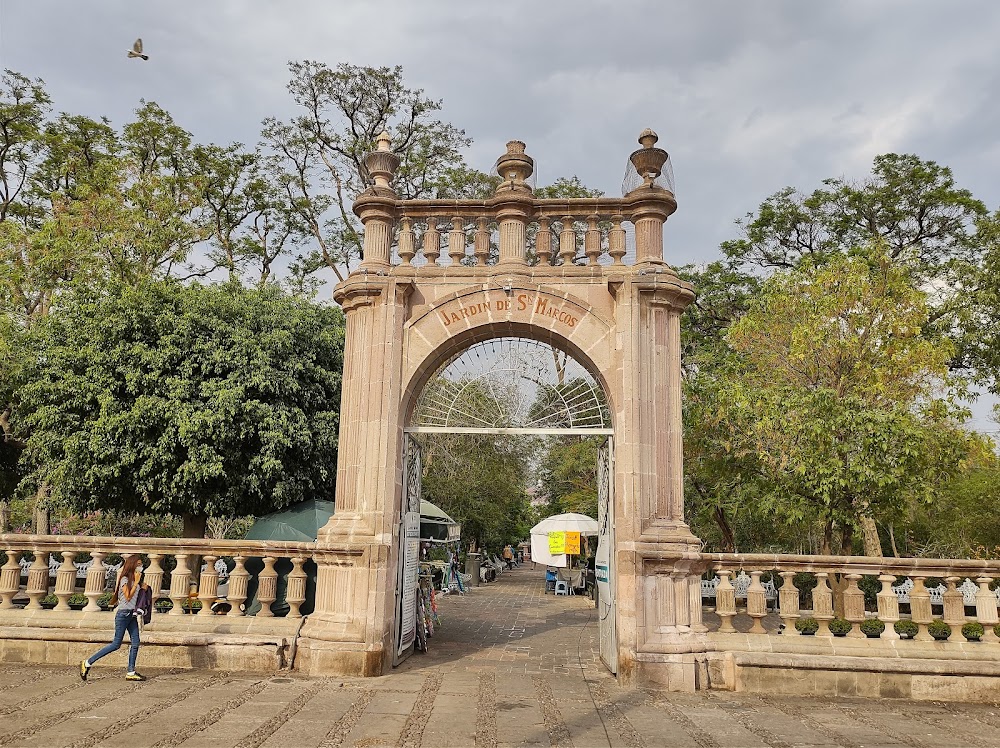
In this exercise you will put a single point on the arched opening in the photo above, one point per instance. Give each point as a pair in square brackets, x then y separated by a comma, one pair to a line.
[487, 429]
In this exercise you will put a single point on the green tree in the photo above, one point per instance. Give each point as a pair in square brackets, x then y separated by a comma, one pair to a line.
[480, 480]
[197, 400]
[838, 398]
[568, 475]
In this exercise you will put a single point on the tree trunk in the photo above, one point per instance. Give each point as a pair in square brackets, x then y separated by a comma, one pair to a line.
[827, 548]
[194, 525]
[873, 546]
[4, 516]
[892, 542]
[728, 538]
[847, 540]
[43, 523]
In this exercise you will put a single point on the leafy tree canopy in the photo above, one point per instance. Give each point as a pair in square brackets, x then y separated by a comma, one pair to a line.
[185, 399]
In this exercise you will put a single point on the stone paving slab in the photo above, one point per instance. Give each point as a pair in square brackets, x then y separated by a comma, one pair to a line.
[509, 666]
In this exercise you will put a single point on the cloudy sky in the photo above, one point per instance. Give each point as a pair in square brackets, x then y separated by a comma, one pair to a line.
[747, 97]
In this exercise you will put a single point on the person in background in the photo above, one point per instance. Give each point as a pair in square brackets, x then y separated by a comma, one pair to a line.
[127, 618]
[508, 556]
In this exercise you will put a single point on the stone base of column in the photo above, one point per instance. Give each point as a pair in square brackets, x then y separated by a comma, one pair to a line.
[316, 657]
[670, 672]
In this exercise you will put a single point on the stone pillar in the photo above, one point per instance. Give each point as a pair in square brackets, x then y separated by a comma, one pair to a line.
[659, 633]
[350, 630]
[512, 203]
[376, 208]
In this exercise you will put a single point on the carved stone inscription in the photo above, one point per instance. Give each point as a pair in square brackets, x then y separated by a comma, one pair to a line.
[519, 305]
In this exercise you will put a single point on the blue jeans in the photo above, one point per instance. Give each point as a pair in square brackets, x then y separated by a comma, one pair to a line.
[124, 621]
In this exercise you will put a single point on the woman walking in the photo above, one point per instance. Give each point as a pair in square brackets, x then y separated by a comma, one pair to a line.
[126, 618]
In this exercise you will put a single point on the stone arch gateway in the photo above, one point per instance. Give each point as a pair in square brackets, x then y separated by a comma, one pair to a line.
[440, 276]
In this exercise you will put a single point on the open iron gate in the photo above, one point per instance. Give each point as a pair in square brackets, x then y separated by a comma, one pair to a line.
[605, 559]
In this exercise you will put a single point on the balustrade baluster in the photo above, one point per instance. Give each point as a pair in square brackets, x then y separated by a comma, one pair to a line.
[986, 608]
[154, 576]
[65, 580]
[854, 606]
[180, 584]
[10, 579]
[567, 241]
[267, 587]
[238, 580]
[97, 581]
[788, 601]
[543, 242]
[823, 603]
[694, 604]
[954, 608]
[432, 242]
[616, 241]
[756, 603]
[38, 580]
[920, 609]
[407, 241]
[725, 602]
[888, 606]
[295, 590]
[208, 586]
[592, 240]
[481, 243]
[456, 240]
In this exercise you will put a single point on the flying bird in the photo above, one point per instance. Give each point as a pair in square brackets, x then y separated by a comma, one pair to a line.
[136, 50]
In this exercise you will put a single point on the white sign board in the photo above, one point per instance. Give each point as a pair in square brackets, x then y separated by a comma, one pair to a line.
[411, 566]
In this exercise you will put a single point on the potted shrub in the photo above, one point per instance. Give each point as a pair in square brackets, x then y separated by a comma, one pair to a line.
[191, 606]
[807, 626]
[163, 605]
[49, 602]
[973, 631]
[906, 628]
[996, 630]
[939, 629]
[104, 601]
[840, 626]
[872, 628]
[77, 601]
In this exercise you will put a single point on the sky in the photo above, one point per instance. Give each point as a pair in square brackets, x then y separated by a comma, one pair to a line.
[747, 97]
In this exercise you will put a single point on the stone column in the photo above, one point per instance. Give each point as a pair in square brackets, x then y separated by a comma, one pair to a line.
[376, 208]
[350, 629]
[512, 204]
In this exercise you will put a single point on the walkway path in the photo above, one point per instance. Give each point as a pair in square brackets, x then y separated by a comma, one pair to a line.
[509, 666]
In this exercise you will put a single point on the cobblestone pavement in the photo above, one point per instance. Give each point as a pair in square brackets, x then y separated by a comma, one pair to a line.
[509, 666]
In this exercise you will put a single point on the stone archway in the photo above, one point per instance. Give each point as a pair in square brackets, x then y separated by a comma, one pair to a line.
[472, 278]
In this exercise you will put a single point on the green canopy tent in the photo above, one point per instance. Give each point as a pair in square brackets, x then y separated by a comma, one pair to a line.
[301, 522]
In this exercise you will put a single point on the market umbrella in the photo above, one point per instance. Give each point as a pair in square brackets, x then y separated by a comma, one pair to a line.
[570, 522]
[435, 524]
[300, 522]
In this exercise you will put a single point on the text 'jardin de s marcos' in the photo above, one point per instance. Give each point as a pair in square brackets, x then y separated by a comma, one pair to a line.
[526, 304]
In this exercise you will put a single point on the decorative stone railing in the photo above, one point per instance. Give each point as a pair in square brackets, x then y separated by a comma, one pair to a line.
[60, 564]
[747, 583]
[448, 233]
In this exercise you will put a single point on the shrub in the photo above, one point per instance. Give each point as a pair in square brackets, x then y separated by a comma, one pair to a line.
[840, 626]
[807, 626]
[77, 598]
[188, 605]
[163, 605]
[872, 627]
[996, 630]
[973, 631]
[49, 600]
[105, 600]
[939, 629]
[906, 628]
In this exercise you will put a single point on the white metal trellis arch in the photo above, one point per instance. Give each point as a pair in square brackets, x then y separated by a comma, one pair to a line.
[514, 386]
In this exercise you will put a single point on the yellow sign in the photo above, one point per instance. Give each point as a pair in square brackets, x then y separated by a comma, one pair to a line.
[557, 543]
[573, 543]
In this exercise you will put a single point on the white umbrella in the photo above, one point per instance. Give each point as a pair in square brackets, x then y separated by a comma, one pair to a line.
[570, 522]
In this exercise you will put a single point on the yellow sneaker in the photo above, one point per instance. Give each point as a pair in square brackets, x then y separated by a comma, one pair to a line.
[134, 676]
[84, 669]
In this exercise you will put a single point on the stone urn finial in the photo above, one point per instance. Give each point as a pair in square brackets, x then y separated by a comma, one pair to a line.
[515, 166]
[648, 160]
[382, 162]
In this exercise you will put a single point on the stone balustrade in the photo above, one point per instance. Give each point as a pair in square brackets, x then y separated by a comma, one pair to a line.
[777, 591]
[432, 234]
[182, 570]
